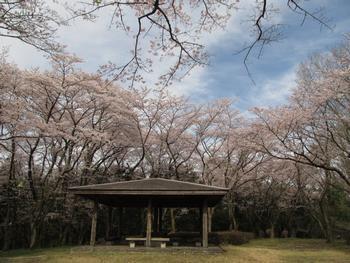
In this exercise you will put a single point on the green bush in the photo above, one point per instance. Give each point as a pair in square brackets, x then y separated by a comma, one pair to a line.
[183, 234]
[215, 238]
[185, 238]
[230, 237]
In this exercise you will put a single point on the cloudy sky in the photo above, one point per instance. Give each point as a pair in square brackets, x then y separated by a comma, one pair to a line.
[273, 73]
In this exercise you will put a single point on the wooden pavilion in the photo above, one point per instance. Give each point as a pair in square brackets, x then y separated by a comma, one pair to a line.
[153, 193]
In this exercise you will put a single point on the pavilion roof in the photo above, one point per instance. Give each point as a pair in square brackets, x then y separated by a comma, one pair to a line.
[163, 191]
[150, 184]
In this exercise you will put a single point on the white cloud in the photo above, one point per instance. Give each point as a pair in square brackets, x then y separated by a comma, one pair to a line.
[194, 84]
[23, 55]
[94, 42]
[275, 91]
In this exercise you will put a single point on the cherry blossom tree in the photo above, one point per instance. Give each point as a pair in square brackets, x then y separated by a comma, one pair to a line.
[32, 22]
[173, 30]
[64, 127]
[313, 129]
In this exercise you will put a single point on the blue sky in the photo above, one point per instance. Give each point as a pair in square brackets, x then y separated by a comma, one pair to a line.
[226, 76]
[274, 72]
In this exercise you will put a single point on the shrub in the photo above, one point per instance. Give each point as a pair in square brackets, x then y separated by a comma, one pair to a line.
[216, 238]
[184, 234]
[185, 238]
[230, 237]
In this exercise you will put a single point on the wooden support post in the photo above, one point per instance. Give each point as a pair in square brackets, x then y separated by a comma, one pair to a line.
[93, 225]
[149, 224]
[201, 221]
[205, 224]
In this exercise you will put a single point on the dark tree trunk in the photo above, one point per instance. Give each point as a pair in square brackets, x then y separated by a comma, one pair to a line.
[272, 230]
[33, 234]
[93, 224]
[210, 216]
[108, 222]
[232, 217]
[7, 229]
[81, 233]
[173, 221]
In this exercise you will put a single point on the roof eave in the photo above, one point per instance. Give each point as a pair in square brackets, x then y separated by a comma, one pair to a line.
[146, 192]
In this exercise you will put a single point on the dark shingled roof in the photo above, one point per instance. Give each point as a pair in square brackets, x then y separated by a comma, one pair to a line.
[151, 184]
[163, 192]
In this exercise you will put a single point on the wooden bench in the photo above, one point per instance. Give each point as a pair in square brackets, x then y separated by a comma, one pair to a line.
[162, 240]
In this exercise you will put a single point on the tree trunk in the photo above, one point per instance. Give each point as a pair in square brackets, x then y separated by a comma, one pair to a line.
[272, 231]
[7, 229]
[232, 217]
[324, 208]
[173, 221]
[81, 233]
[293, 233]
[108, 223]
[33, 234]
[205, 224]
[149, 224]
[30, 170]
[210, 216]
[328, 231]
[93, 225]
[65, 233]
[201, 221]
[318, 219]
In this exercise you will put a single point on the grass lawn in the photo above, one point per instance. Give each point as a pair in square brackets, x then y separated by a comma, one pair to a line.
[261, 250]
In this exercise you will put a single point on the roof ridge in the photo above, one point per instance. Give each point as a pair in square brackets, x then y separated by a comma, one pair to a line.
[120, 182]
[145, 179]
[186, 182]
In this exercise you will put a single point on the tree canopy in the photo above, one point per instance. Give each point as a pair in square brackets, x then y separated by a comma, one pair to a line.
[287, 167]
